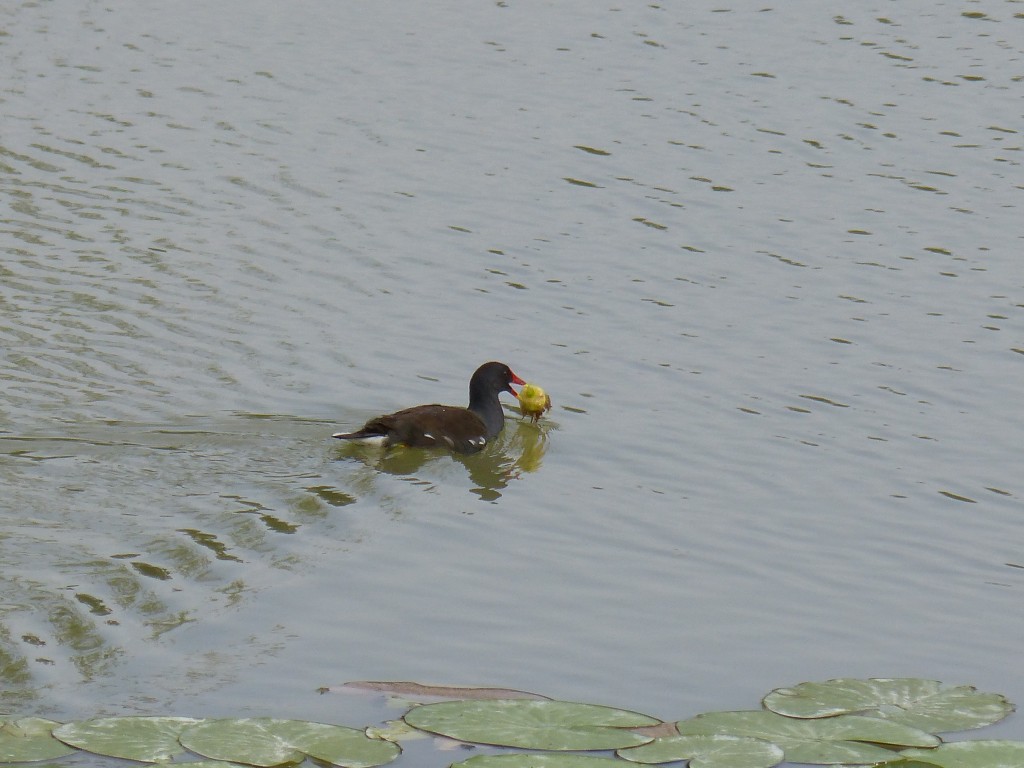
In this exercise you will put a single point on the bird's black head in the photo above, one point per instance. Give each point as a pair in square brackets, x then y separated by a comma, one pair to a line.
[490, 379]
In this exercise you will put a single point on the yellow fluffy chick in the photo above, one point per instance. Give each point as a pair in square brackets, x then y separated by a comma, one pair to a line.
[534, 401]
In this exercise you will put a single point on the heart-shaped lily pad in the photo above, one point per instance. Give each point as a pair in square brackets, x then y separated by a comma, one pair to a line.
[711, 751]
[840, 739]
[28, 739]
[547, 725]
[248, 741]
[337, 744]
[268, 741]
[916, 702]
[146, 739]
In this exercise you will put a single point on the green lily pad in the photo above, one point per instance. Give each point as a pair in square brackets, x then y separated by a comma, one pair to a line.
[919, 703]
[146, 739]
[538, 760]
[336, 744]
[840, 739]
[710, 751]
[247, 741]
[268, 741]
[548, 725]
[972, 754]
[28, 739]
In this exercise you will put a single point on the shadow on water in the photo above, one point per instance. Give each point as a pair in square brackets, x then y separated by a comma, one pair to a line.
[519, 450]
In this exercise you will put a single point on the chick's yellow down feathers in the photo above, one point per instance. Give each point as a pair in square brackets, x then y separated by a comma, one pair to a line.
[534, 401]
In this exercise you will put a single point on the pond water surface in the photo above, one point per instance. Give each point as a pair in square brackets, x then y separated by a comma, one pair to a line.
[766, 261]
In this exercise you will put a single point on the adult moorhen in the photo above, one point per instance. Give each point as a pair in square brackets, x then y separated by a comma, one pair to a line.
[464, 430]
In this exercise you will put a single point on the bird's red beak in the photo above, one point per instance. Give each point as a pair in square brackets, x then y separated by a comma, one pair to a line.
[515, 380]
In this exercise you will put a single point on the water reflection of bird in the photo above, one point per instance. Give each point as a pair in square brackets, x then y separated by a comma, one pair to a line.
[463, 430]
[512, 454]
[531, 445]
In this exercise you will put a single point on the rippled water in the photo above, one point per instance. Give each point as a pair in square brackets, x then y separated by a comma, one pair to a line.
[766, 261]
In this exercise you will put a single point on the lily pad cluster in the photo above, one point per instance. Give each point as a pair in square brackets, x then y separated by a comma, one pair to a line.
[263, 741]
[890, 723]
[839, 722]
